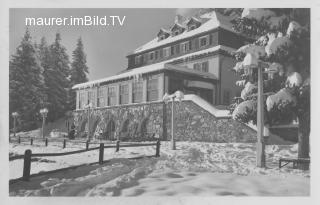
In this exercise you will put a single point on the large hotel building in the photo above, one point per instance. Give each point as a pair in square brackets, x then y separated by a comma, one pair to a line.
[192, 55]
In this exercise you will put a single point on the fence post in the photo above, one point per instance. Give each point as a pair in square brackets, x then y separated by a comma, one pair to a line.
[19, 140]
[158, 149]
[118, 146]
[101, 152]
[31, 141]
[46, 142]
[87, 144]
[26, 165]
[64, 143]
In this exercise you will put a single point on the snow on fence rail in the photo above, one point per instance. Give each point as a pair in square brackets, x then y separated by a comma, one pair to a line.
[28, 154]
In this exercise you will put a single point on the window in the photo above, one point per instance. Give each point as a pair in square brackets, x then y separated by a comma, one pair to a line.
[112, 96]
[152, 89]
[137, 59]
[91, 97]
[184, 47]
[203, 66]
[226, 97]
[193, 26]
[176, 32]
[124, 94]
[101, 97]
[197, 66]
[204, 41]
[137, 91]
[156, 54]
[82, 99]
[151, 56]
[166, 52]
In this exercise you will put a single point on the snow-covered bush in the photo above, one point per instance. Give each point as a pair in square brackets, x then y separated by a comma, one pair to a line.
[245, 111]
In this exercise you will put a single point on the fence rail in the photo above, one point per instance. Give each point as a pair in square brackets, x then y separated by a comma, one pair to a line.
[28, 154]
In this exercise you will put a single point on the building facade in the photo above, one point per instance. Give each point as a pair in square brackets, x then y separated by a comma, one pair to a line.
[192, 55]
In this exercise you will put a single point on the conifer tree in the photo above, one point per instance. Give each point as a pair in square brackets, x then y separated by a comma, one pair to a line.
[281, 46]
[57, 79]
[79, 69]
[26, 84]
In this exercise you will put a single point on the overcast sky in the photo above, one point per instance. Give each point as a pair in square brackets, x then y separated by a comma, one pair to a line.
[106, 47]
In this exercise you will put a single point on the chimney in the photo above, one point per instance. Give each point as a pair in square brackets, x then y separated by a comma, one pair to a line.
[178, 18]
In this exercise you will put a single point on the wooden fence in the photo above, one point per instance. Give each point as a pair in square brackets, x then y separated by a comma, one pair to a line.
[28, 153]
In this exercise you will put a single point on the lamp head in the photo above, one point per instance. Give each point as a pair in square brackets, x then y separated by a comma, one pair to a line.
[15, 114]
[179, 95]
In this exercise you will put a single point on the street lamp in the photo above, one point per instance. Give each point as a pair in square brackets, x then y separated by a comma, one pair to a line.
[15, 116]
[166, 98]
[43, 113]
[88, 107]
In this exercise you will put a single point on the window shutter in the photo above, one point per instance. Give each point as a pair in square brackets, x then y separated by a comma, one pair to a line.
[190, 45]
[178, 49]
[196, 43]
[161, 53]
[156, 54]
[210, 39]
[172, 50]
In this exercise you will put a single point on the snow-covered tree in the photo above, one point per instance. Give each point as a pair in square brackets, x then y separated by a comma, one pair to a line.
[26, 84]
[57, 79]
[281, 46]
[79, 69]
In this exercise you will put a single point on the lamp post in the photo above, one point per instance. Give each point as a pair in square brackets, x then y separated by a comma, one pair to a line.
[15, 116]
[88, 107]
[44, 113]
[166, 98]
[261, 157]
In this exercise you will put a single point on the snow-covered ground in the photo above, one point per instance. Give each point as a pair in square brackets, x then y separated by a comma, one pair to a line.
[194, 169]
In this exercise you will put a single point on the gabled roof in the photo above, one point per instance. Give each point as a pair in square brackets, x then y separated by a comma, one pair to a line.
[211, 20]
[193, 19]
[177, 25]
[156, 67]
[162, 30]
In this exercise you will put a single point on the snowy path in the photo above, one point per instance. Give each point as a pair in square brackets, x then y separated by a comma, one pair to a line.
[205, 169]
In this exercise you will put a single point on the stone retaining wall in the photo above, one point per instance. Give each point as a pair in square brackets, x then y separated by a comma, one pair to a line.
[153, 120]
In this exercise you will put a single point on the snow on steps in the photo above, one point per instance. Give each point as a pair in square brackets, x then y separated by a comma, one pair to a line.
[219, 113]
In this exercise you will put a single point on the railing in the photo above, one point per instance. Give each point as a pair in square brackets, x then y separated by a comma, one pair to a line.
[28, 153]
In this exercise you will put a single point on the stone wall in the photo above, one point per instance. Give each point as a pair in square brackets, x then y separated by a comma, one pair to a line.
[153, 120]
[196, 124]
[135, 121]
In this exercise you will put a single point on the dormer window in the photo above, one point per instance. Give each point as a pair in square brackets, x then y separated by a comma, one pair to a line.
[137, 59]
[193, 23]
[177, 29]
[163, 34]
[192, 27]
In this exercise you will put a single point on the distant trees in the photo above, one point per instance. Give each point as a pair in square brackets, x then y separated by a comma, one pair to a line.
[40, 76]
[26, 88]
[79, 70]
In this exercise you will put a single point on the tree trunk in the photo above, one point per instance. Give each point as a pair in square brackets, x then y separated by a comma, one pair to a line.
[303, 136]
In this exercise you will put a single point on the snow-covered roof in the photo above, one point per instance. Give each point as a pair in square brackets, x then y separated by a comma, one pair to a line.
[215, 20]
[156, 67]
